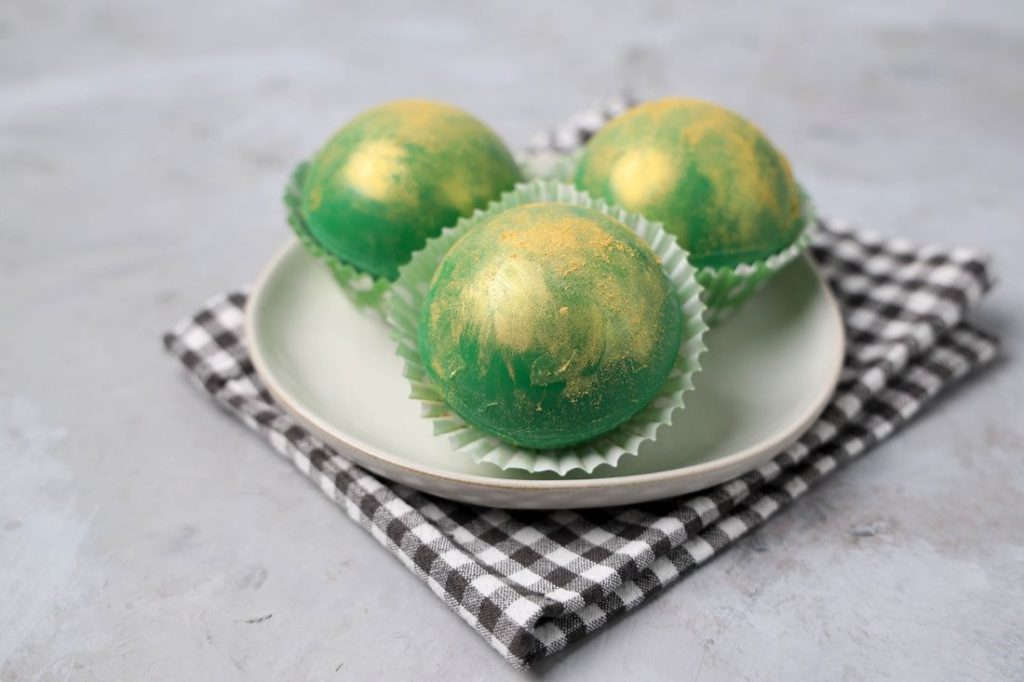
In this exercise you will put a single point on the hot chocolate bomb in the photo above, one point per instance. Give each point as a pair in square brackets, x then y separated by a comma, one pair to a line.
[709, 175]
[549, 324]
[397, 175]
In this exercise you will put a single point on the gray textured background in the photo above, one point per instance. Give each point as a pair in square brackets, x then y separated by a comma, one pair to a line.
[142, 152]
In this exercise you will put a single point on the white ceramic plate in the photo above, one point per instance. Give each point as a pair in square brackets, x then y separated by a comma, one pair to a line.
[768, 373]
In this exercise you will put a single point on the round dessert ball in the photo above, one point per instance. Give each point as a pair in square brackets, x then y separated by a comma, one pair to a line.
[397, 175]
[549, 324]
[708, 174]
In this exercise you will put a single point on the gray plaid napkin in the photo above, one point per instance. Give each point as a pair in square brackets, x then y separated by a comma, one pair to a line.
[532, 582]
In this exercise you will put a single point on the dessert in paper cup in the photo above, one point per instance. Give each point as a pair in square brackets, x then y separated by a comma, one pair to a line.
[550, 332]
[386, 182]
[716, 183]
[363, 288]
[726, 288]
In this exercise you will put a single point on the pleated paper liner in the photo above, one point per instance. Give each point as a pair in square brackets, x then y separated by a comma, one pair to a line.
[405, 302]
[364, 289]
[725, 288]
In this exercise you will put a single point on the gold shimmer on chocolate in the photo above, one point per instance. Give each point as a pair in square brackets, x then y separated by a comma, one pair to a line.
[548, 324]
[395, 176]
[710, 176]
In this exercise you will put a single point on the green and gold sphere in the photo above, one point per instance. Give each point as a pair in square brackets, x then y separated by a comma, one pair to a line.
[549, 324]
[708, 174]
[395, 176]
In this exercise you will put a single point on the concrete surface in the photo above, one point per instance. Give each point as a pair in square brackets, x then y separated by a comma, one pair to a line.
[143, 146]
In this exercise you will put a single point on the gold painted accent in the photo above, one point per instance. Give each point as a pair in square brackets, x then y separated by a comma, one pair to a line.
[316, 198]
[509, 295]
[715, 128]
[670, 105]
[431, 124]
[519, 272]
[460, 194]
[377, 170]
[721, 143]
[643, 176]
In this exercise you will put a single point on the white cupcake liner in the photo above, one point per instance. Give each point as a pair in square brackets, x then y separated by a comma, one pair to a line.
[404, 304]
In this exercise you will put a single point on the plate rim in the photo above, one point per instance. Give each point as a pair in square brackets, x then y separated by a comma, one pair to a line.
[387, 460]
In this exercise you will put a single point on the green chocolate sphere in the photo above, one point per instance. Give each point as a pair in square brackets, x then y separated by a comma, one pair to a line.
[709, 175]
[549, 324]
[397, 175]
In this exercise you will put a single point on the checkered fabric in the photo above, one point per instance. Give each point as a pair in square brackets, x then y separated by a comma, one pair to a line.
[532, 582]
